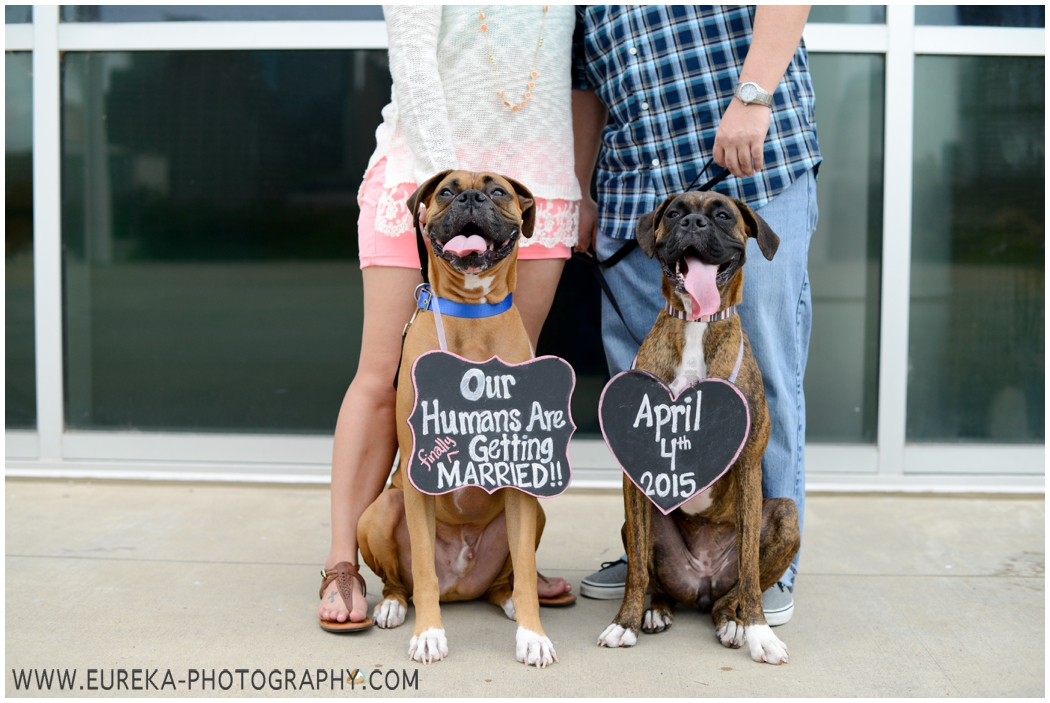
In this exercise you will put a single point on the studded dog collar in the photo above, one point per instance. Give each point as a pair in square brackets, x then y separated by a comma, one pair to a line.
[720, 315]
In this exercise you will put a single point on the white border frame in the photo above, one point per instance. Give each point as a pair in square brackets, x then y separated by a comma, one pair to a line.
[890, 465]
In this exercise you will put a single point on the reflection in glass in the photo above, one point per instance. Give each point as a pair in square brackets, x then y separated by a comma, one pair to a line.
[209, 227]
[19, 344]
[218, 13]
[977, 331]
[845, 254]
[981, 15]
[18, 14]
[848, 14]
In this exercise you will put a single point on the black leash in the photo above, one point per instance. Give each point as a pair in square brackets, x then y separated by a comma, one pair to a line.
[597, 265]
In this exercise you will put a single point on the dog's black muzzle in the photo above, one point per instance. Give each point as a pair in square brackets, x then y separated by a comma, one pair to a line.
[473, 213]
[699, 236]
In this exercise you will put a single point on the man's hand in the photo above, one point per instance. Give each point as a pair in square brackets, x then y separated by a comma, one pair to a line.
[740, 136]
[588, 121]
[742, 131]
[588, 224]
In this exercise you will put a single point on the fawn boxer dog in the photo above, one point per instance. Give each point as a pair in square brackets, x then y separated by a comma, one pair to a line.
[723, 547]
[465, 544]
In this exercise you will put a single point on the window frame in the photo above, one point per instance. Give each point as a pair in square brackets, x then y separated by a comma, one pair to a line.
[891, 464]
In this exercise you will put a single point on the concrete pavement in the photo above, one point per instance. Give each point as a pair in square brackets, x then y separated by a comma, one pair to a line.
[898, 596]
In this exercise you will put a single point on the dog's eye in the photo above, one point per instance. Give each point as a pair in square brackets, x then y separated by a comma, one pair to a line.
[673, 214]
[722, 215]
[498, 192]
[445, 192]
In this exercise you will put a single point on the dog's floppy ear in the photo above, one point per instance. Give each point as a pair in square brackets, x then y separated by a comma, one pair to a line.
[768, 241]
[423, 194]
[646, 230]
[528, 207]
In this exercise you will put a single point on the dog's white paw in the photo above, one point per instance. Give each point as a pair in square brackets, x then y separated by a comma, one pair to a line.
[765, 646]
[533, 649]
[731, 634]
[389, 614]
[616, 636]
[508, 609]
[431, 646]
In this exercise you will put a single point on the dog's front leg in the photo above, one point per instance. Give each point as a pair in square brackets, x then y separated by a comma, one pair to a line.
[428, 637]
[764, 645]
[637, 538]
[532, 646]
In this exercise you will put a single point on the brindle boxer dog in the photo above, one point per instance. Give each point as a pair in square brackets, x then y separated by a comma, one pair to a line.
[725, 546]
[464, 544]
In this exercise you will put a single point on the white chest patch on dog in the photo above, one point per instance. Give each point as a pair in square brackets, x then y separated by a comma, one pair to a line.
[693, 366]
[698, 503]
[473, 281]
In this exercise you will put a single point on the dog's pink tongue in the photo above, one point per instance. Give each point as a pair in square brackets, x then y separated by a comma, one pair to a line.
[461, 246]
[701, 287]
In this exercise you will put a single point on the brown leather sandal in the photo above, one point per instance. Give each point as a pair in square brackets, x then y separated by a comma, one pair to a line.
[555, 601]
[344, 574]
[551, 601]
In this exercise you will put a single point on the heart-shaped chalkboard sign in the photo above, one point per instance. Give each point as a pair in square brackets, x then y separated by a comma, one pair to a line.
[673, 447]
[491, 424]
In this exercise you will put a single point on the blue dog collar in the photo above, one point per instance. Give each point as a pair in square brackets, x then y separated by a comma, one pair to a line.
[425, 297]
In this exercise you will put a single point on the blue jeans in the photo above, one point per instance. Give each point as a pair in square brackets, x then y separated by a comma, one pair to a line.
[776, 313]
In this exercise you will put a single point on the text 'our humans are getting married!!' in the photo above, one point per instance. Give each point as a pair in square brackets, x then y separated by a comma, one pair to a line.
[491, 424]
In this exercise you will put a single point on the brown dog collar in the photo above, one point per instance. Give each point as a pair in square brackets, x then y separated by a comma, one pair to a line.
[720, 315]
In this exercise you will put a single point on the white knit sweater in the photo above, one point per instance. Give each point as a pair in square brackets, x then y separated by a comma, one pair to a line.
[445, 111]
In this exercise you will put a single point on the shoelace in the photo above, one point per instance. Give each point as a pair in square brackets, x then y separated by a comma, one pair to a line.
[610, 564]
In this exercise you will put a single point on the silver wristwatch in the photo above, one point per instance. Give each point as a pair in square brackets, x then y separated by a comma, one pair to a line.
[752, 93]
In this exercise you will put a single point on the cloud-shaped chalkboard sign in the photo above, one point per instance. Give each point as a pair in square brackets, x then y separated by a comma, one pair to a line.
[491, 424]
[673, 448]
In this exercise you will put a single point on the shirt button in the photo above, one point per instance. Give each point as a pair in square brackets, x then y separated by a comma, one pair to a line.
[633, 51]
[656, 162]
[645, 106]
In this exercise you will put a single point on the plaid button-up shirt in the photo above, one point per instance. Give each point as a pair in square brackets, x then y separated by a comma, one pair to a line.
[667, 73]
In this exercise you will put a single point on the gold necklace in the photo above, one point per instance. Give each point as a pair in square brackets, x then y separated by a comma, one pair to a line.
[492, 60]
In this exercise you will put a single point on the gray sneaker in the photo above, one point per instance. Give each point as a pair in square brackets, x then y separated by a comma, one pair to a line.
[606, 584]
[778, 604]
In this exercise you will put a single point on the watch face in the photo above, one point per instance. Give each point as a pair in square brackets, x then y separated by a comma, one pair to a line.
[748, 92]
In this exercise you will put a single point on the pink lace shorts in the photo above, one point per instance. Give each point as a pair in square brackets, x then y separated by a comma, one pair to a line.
[385, 235]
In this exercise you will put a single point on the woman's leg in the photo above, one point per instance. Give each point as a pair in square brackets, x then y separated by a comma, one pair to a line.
[365, 436]
[537, 283]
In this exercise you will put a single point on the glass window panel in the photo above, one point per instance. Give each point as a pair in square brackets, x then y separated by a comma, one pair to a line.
[976, 340]
[848, 14]
[845, 254]
[18, 14]
[19, 344]
[981, 15]
[217, 13]
[209, 224]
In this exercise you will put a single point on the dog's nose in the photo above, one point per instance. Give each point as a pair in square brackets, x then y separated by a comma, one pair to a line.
[471, 197]
[695, 221]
